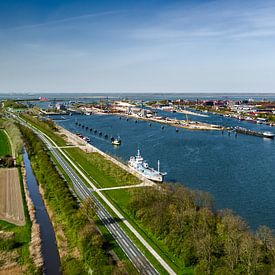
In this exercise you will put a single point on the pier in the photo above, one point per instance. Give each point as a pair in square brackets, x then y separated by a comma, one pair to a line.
[254, 133]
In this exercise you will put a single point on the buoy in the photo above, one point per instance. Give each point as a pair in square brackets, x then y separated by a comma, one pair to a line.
[177, 130]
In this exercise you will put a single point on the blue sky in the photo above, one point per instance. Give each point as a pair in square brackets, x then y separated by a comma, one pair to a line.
[145, 45]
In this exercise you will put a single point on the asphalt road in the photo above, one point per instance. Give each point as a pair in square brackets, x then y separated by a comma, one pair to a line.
[83, 191]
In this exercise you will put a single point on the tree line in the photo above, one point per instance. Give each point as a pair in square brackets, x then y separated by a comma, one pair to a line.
[211, 242]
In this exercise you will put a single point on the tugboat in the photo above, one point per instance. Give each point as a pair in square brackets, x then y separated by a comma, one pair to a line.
[116, 141]
[138, 164]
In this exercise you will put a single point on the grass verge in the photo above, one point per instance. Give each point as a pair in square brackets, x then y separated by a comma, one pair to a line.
[103, 171]
[5, 146]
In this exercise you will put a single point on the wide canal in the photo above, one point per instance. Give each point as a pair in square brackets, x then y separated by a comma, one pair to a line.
[237, 170]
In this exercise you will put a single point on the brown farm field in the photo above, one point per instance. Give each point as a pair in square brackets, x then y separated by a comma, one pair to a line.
[11, 203]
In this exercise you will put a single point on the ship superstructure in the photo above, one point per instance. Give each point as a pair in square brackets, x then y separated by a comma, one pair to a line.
[138, 164]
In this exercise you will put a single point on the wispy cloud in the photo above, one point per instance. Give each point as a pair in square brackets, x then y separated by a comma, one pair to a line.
[216, 20]
[64, 20]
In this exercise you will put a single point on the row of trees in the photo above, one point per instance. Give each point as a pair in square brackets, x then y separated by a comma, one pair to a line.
[80, 231]
[13, 104]
[213, 243]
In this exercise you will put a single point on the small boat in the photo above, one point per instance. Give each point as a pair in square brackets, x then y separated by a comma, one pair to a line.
[86, 139]
[116, 141]
[268, 134]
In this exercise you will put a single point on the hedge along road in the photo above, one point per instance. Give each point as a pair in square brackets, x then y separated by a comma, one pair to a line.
[134, 254]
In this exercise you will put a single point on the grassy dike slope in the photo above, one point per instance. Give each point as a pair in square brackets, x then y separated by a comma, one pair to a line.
[103, 172]
[85, 246]
[5, 147]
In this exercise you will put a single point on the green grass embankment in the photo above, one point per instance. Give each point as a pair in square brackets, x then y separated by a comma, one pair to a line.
[5, 146]
[101, 170]
[14, 136]
[47, 127]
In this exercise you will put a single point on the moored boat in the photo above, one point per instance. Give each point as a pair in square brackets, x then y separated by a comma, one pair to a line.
[138, 164]
[116, 141]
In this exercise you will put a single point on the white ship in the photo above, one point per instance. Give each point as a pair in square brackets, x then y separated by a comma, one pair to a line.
[138, 164]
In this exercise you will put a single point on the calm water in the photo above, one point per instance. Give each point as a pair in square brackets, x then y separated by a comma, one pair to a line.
[49, 249]
[139, 96]
[238, 171]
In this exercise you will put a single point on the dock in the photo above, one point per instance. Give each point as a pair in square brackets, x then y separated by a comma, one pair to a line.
[254, 133]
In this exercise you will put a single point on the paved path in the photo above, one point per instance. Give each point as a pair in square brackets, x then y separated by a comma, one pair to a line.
[123, 187]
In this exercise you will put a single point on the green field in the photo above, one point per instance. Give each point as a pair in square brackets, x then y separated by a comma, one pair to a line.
[102, 171]
[5, 146]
